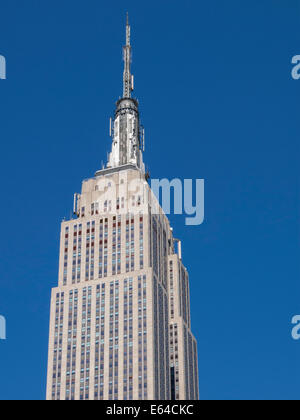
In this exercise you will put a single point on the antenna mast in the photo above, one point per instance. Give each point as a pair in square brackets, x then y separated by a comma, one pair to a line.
[127, 77]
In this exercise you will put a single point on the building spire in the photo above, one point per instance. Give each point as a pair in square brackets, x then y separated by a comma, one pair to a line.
[127, 76]
[125, 128]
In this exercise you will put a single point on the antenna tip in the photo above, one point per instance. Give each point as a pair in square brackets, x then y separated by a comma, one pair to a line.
[127, 19]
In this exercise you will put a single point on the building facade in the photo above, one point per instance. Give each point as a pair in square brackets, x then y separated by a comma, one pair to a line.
[120, 326]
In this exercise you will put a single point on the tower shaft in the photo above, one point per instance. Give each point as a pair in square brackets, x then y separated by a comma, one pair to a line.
[120, 326]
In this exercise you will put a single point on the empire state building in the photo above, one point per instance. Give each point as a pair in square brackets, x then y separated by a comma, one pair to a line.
[120, 326]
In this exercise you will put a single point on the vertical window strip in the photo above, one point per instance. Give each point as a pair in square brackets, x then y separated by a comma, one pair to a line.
[174, 361]
[99, 344]
[105, 246]
[125, 340]
[114, 341]
[92, 247]
[66, 247]
[111, 338]
[101, 240]
[132, 243]
[87, 252]
[130, 378]
[74, 255]
[140, 338]
[145, 337]
[119, 230]
[162, 347]
[127, 243]
[71, 350]
[79, 247]
[171, 289]
[85, 343]
[141, 242]
[57, 351]
[114, 246]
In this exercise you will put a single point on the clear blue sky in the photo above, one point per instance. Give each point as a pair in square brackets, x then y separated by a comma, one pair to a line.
[218, 102]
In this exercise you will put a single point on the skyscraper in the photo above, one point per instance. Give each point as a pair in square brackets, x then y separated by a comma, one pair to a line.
[120, 323]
